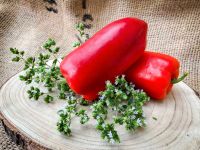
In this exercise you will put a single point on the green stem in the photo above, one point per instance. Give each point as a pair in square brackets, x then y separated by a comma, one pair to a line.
[22, 58]
[56, 58]
[174, 81]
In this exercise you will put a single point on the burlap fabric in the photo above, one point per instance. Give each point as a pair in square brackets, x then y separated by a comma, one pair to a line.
[174, 28]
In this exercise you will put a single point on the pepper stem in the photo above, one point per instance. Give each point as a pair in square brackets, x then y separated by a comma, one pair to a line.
[174, 81]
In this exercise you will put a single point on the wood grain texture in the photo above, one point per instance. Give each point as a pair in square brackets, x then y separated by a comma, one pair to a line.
[177, 125]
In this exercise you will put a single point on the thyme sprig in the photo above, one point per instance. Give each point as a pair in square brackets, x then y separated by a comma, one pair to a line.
[37, 70]
[68, 113]
[82, 36]
[125, 103]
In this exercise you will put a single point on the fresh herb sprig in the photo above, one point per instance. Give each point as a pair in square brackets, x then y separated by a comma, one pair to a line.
[68, 113]
[38, 70]
[82, 37]
[125, 103]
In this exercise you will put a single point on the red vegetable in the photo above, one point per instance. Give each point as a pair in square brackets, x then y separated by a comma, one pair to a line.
[109, 53]
[155, 73]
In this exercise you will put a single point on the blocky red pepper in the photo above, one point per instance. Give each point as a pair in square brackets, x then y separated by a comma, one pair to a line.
[109, 53]
[155, 73]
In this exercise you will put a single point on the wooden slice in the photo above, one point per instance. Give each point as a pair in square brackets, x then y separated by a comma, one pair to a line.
[33, 123]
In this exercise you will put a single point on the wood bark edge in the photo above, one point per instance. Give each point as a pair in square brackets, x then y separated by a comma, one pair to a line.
[19, 138]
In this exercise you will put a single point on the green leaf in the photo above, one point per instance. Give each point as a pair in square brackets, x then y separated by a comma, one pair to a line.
[34, 93]
[119, 120]
[154, 118]
[30, 60]
[63, 86]
[14, 50]
[80, 26]
[48, 99]
[54, 63]
[76, 44]
[16, 59]
[50, 42]
[22, 78]
[22, 53]
[83, 102]
[83, 116]
[26, 66]
[62, 95]
[37, 79]
[56, 50]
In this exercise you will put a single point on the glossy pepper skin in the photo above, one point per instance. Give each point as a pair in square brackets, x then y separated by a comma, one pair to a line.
[154, 73]
[109, 53]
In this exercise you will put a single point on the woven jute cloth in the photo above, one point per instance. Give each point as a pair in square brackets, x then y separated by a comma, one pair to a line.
[174, 28]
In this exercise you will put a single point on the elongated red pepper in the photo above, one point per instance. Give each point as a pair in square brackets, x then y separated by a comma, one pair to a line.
[109, 53]
[155, 73]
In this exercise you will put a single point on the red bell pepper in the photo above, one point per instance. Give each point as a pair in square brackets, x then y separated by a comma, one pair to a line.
[155, 73]
[109, 53]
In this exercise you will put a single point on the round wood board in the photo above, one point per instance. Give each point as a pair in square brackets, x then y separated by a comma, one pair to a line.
[33, 123]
